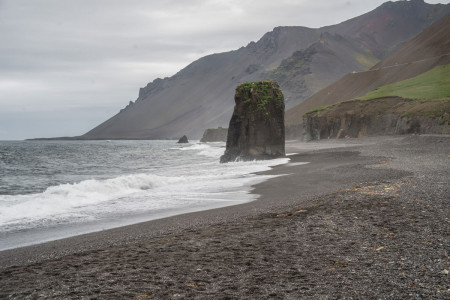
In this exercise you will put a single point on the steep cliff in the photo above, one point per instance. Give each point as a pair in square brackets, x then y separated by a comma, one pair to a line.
[383, 116]
[299, 58]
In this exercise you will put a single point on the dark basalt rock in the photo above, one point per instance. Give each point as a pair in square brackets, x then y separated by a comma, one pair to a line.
[183, 140]
[256, 128]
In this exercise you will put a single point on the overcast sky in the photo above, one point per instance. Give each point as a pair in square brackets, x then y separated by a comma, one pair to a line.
[68, 65]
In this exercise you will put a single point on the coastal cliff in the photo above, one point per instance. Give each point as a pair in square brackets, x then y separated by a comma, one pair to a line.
[408, 92]
[375, 117]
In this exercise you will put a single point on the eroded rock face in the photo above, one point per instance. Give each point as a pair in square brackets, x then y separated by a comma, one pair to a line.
[256, 128]
[183, 140]
[377, 117]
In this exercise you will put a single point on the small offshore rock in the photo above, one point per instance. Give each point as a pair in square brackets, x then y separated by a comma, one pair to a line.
[183, 140]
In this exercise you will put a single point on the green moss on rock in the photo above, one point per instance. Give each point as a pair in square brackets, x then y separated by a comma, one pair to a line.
[256, 128]
[257, 95]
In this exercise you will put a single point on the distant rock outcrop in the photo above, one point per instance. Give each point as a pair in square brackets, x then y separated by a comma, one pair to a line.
[215, 135]
[183, 140]
[256, 128]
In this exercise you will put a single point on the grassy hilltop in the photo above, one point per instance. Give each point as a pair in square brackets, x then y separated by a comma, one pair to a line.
[417, 105]
[431, 85]
[425, 95]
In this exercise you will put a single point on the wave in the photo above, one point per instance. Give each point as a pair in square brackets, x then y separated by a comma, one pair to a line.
[199, 146]
[66, 198]
[210, 149]
[192, 180]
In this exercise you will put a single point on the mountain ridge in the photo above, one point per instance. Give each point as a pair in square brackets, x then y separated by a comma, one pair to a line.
[200, 95]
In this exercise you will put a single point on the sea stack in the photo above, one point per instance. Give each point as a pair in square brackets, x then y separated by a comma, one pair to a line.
[183, 140]
[256, 128]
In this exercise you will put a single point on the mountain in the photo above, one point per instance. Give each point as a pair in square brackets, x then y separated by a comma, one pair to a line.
[427, 50]
[302, 60]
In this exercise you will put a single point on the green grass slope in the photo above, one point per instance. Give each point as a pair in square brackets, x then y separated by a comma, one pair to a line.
[431, 85]
[426, 95]
[417, 105]
[429, 90]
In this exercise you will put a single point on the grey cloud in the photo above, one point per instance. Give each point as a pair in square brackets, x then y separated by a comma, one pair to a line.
[58, 53]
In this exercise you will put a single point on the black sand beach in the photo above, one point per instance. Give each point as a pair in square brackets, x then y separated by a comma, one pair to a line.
[366, 218]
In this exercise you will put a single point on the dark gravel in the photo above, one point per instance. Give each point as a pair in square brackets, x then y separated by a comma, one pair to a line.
[368, 221]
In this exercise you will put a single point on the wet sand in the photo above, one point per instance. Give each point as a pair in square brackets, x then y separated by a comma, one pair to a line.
[365, 218]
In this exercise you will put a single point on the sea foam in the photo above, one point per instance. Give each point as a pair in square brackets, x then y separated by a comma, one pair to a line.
[175, 180]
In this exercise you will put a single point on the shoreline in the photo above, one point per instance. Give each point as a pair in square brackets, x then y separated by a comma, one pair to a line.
[159, 226]
[164, 193]
[378, 174]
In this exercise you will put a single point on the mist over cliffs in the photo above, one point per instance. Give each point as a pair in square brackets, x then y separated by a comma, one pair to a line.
[302, 60]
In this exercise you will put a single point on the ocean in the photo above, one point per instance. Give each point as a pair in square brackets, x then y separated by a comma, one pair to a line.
[55, 189]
